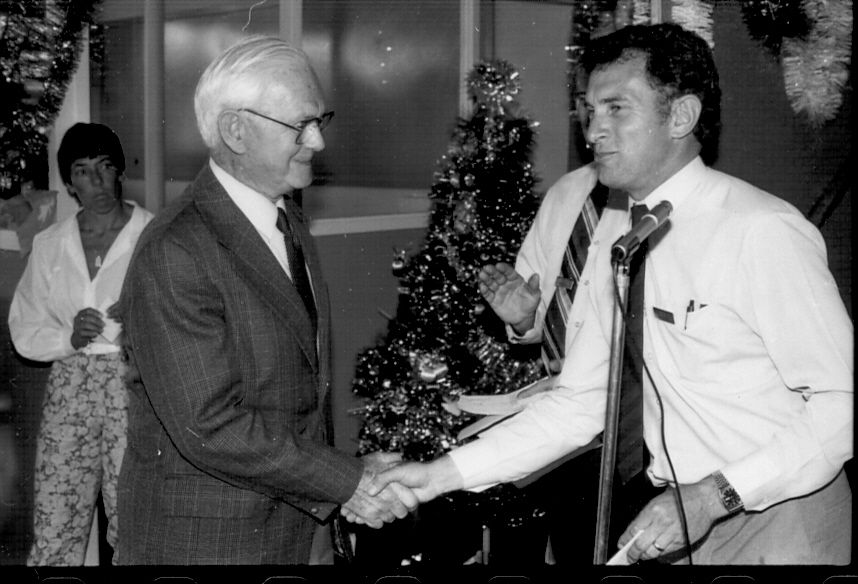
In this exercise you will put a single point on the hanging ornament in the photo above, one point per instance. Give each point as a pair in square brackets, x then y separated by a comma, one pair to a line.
[816, 69]
[694, 15]
[463, 215]
[432, 371]
[398, 264]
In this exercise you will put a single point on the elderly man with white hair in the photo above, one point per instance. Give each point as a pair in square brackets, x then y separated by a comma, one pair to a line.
[228, 326]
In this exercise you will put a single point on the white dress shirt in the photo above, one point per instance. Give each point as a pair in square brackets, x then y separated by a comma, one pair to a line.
[259, 210]
[756, 380]
[546, 242]
[55, 286]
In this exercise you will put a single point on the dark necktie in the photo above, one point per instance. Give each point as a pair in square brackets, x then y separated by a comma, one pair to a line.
[557, 313]
[297, 266]
[631, 451]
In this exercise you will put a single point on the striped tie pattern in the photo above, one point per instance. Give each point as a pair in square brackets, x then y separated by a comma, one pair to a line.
[574, 258]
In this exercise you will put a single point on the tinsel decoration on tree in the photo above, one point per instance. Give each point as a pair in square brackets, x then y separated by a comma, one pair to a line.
[816, 68]
[694, 15]
[444, 341]
[39, 46]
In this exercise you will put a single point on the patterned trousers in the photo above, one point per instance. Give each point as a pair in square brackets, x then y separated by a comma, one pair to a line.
[79, 450]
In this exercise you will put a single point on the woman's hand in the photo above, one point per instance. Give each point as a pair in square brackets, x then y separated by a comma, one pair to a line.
[86, 326]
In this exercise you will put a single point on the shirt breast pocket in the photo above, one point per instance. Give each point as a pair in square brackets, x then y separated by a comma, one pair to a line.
[711, 348]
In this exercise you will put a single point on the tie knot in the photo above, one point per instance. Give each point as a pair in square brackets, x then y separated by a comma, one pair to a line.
[638, 211]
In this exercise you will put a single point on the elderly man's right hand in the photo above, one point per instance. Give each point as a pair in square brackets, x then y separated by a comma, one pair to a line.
[512, 298]
[382, 506]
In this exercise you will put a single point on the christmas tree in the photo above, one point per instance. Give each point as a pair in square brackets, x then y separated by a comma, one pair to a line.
[444, 340]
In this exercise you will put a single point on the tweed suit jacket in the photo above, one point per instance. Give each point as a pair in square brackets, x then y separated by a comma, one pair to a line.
[229, 457]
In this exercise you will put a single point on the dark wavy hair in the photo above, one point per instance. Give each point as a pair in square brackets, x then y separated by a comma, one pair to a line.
[677, 62]
[88, 141]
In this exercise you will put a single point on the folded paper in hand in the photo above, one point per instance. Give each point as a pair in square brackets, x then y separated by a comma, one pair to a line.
[499, 407]
[112, 328]
[621, 558]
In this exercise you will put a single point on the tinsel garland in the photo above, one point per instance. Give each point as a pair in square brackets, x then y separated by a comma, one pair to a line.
[642, 12]
[40, 45]
[816, 68]
[812, 38]
[443, 341]
[694, 15]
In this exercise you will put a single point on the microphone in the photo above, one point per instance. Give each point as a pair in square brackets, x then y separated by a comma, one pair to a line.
[628, 244]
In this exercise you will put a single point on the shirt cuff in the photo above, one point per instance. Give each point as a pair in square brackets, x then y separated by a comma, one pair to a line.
[469, 460]
[749, 477]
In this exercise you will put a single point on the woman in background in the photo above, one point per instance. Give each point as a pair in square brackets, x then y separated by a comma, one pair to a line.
[63, 311]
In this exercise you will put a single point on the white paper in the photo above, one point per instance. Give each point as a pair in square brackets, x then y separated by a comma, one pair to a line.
[504, 404]
[621, 558]
[480, 425]
[112, 328]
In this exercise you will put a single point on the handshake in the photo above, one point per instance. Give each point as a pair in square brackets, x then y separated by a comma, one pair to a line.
[390, 489]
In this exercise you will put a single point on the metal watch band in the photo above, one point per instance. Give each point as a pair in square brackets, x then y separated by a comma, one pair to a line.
[729, 497]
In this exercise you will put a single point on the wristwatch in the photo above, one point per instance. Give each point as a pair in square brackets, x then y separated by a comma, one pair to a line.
[729, 497]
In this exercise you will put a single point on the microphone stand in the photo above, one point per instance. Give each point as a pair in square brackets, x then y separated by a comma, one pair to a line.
[612, 412]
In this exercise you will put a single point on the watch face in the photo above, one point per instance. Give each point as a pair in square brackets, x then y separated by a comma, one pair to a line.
[731, 499]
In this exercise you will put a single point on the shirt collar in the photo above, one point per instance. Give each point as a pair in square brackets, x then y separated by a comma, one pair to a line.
[258, 208]
[676, 189]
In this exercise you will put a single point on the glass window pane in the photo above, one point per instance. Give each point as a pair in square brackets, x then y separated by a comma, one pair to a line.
[191, 41]
[388, 68]
[391, 72]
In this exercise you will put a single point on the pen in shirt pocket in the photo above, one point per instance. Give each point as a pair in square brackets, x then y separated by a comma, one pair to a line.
[692, 307]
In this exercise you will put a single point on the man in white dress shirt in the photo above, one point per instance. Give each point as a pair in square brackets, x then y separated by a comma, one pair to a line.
[746, 339]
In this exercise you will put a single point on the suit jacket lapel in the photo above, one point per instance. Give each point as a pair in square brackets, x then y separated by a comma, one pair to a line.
[253, 258]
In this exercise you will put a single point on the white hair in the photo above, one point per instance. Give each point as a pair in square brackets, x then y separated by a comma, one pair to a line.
[238, 77]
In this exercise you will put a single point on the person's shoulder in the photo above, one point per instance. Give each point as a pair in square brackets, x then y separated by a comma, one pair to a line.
[172, 225]
[140, 213]
[742, 196]
[572, 188]
[750, 211]
[56, 231]
[580, 179]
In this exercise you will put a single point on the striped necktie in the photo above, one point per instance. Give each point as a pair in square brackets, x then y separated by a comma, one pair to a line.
[631, 451]
[297, 265]
[574, 258]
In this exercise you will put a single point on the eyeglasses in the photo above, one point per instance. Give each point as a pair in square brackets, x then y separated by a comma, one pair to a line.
[301, 127]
